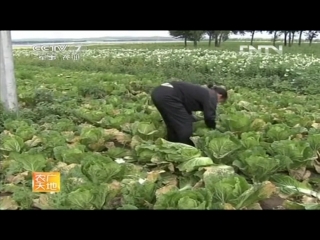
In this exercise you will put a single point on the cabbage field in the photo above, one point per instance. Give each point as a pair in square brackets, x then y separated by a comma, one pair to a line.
[93, 121]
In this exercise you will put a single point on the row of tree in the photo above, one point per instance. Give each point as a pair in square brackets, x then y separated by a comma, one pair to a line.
[220, 36]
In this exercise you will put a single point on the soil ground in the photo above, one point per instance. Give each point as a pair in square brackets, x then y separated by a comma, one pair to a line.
[273, 203]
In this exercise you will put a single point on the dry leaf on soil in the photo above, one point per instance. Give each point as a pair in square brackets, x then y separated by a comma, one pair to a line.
[120, 137]
[115, 185]
[6, 132]
[171, 184]
[63, 167]
[35, 141]
[18, 178]
[308, 200]
[7, 203]
[316, 163]
[300, 174]
[316, 125]
[42, 202]
[135, 141]
[165, 189]
[153, 176]
[228, 206]
[199, 184]
[171, 167]
[110, 145]
[268, 189]
[255, 206]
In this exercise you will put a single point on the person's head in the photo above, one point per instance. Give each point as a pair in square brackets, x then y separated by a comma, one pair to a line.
[221, 92]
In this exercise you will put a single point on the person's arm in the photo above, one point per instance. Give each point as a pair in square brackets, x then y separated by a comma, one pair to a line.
[209, 111]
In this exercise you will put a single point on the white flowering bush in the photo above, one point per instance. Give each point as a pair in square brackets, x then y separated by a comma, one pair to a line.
[287, 71]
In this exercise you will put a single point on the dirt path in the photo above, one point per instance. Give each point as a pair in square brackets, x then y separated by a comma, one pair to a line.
[273, 203]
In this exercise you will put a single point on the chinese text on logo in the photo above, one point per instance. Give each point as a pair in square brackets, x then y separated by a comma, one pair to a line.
[72, 56]
[46, 182]
[55, 52]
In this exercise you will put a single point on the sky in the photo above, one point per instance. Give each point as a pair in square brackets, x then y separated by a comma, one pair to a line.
[85, 34]
[91, 34]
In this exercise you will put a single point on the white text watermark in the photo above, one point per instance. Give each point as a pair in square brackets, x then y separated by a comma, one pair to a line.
[53, 52]
[261, 47]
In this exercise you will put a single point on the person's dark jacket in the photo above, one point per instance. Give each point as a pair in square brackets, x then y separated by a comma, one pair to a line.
[198, 98]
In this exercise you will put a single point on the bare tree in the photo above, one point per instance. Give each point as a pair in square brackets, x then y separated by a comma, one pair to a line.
[289, 36]
[285, 32]
[224, 36]
[300, 36]
[184, 34]
[196, 36]
[252, 32]
[276, 35]
[210, 33]
[293, 33]
[220, 36]
[311, 34]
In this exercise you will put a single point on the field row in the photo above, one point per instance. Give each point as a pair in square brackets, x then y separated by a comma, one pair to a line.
[210, 58]
[293, 72]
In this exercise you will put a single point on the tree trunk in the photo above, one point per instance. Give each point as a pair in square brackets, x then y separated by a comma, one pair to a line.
[252, 36]
[185, 42]
[290, 39]
[220, 38]
[216, 44]
[195, 43]
[210, 39]
[300, 36]
[274, 38]
[285, 38]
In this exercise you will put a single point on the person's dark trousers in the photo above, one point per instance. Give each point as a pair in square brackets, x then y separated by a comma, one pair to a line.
[177, 119]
